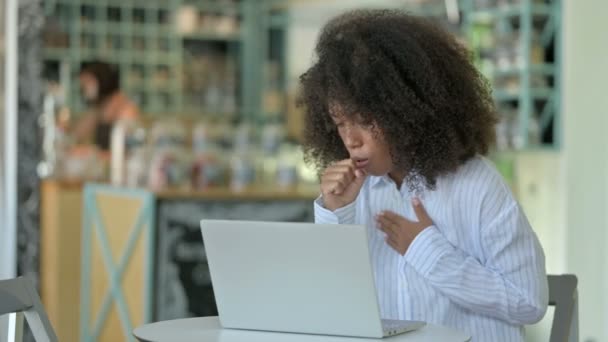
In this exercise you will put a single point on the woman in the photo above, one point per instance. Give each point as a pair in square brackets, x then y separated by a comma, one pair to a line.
[398, 121]
[100, 87]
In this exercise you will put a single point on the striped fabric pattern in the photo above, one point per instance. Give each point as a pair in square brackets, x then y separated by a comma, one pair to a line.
[479, 268]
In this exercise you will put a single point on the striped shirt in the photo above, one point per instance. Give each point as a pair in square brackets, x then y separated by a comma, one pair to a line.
[479, 268]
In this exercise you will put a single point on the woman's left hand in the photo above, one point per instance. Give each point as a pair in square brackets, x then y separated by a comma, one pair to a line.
[400, 232]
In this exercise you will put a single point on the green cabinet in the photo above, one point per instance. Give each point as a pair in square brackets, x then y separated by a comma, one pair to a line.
[174, 56]
[517, 45]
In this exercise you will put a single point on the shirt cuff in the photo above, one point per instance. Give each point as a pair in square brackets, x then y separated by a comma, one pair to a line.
[426, 249]
[344, 215]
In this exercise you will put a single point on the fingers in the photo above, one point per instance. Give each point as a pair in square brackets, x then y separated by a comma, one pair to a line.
[392, 217]
[421, 214]
[347, 169]
[388, 228]
[388, 223]
[336, 179]
[391, 242]
[334, 187]
[339, 176]
[346, 176]
[349, 163]
[346, 162]
[340, 168]
[400, 232]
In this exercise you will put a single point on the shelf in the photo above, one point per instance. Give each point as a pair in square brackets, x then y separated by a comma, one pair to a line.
[112, 56]
[531, 149]
[544, 69]
[140, 36]
[58, 54]
[428, 11]
[432, 11]
[254, 192]
[108, 27]
[535, 93]
[488, 15]
[146, 56]
[497, 155]
[116, 3]
[214, 6]
[210, 36]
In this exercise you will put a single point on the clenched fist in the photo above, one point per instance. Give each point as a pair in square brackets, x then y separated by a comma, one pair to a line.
[341, 183]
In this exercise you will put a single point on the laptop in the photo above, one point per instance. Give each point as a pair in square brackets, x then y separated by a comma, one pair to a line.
[295, 277]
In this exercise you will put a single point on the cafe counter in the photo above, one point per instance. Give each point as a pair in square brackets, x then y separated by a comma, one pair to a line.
[113, 258]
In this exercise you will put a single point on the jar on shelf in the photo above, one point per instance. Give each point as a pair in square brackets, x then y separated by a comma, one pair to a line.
[271, 138]
[127, 136]
[170, 160]
[168, 133]
[506, 46]
[137, 169]
[169, 168]
[242, 170]
[208, 169]
[186, 18]
[243, 138]
[202, 137]
[537, 51]
[287, 166]
[82, 163]
[524, 137]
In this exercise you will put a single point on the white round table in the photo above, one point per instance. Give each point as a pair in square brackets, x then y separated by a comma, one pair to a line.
[208, 329]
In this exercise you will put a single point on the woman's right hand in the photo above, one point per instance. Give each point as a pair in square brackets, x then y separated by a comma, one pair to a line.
[341, 183]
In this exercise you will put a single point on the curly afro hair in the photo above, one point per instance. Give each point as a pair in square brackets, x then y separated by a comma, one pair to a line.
[408, 78]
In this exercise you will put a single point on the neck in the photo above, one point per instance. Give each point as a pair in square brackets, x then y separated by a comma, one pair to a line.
[110, 99]
[397, 177]
[108, 106]
[103, 102]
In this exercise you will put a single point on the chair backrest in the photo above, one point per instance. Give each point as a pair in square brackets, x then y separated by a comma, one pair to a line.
[19, 298]
[564, 296]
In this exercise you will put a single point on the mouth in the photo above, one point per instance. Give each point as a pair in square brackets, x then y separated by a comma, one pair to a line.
[361, 162]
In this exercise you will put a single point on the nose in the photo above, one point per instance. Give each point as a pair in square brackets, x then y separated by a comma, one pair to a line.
[352, 137]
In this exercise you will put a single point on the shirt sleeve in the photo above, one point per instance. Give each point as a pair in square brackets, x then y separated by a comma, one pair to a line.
[511, 283]
[344, 215]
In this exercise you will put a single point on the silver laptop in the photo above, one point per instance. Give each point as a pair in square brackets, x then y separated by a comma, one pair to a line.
[295, 277]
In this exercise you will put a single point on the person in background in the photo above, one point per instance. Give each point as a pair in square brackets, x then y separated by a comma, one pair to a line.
[100, 87]
[397, 122]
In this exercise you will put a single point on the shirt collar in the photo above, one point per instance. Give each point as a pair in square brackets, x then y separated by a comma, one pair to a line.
[376, 181]
[379, 180]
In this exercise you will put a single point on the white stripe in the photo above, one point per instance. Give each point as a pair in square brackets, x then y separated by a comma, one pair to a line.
[479, 269]
[8, 144]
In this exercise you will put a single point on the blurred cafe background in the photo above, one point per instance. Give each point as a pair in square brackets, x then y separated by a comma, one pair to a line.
[125, 122]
